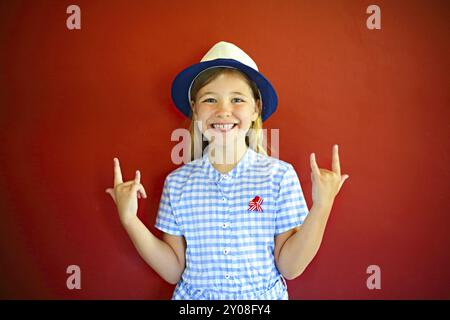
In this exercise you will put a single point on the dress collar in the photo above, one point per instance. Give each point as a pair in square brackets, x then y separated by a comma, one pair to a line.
[234, 173]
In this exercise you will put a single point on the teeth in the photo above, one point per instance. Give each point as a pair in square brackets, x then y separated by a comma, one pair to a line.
[223, 126]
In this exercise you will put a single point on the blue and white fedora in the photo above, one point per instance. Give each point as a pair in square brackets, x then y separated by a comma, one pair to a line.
[223, 54]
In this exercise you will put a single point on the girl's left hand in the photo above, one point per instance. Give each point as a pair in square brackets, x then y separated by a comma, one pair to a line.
[326, 184]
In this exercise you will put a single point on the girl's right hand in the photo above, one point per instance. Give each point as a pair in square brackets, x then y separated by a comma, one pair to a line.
[125, 194]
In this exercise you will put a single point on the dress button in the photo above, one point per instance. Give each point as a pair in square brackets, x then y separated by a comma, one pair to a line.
[227, 276]
[225, 225]
[223, 199]
[226, 251]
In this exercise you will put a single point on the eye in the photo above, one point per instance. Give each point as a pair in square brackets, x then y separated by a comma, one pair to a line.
[237, 100]
[209, 100]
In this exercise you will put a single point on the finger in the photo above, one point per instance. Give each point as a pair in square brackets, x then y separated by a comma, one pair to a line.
[137, 178]
[128, 183]
[135, 188]
[117, 173]
[314, 167]
[335, 165]
[139, 190]
[314, 177]
[111, 193]
[141, 194]
[343, 178]
[142, 190]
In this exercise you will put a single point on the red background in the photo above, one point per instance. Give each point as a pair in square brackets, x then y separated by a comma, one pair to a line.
[70, 101]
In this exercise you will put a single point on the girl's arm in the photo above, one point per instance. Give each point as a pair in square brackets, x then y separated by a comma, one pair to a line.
[165, 257]
[295, 249]
[302, 245]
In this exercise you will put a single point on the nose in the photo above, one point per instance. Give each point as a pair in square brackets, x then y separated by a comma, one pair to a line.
[224, 109]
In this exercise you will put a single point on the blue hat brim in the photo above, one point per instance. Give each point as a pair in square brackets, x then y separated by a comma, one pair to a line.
[181, 85]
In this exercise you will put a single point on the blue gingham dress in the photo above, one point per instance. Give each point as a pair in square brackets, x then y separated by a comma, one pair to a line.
[230, 249]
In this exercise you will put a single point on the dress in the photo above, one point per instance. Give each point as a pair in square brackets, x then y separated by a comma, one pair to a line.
[229, 222]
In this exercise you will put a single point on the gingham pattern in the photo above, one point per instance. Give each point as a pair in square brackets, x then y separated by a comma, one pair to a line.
[229, 253]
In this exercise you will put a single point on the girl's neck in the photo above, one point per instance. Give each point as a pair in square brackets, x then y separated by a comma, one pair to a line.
[225, 158]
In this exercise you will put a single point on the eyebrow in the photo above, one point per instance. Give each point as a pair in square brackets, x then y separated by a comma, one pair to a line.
[234, 92]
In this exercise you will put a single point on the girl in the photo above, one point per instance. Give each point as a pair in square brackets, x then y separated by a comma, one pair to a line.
[234, 220]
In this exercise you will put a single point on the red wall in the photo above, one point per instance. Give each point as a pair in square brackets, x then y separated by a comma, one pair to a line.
[70, 101]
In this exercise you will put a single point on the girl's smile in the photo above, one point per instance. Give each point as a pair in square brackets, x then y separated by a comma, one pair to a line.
[223, 127]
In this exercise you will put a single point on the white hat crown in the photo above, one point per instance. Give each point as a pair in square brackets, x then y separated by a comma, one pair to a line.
[227, 50]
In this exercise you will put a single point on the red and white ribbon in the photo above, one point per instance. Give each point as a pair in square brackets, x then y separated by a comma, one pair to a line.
[255, 204]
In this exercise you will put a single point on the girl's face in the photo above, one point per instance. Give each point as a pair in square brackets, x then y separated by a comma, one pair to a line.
[225, 109]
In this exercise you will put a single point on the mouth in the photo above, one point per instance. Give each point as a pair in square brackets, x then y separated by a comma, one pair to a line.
[223, 127]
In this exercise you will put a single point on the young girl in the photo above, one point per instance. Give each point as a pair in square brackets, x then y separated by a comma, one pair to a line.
[234, 220]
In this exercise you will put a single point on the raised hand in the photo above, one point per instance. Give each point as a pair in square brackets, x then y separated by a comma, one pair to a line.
[125, 194]
[325, 183]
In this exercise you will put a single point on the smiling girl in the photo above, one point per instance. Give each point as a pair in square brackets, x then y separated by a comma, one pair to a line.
[235, 222]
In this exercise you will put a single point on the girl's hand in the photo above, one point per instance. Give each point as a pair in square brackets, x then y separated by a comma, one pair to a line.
[326, 184]
[125, 194]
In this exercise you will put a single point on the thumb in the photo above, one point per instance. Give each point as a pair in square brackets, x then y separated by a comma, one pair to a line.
[111, 193]
[343, 178]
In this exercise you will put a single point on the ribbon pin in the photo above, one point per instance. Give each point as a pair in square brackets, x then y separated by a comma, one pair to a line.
[255, 204]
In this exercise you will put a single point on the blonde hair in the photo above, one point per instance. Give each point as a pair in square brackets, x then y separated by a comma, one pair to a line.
[254, 138]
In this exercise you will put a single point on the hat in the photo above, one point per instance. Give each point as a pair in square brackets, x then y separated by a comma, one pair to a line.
[223, 54]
